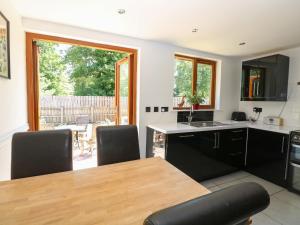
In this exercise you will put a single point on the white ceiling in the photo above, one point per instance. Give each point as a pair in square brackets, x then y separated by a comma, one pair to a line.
[265, 25]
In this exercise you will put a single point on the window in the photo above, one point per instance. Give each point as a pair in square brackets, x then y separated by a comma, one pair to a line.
[194, 76]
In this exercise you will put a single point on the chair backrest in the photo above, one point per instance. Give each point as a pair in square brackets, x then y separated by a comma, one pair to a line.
[117, 144]
[41, 152]
[230, 206]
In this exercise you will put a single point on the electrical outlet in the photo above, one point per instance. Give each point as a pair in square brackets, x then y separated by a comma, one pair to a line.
[156, 109]
[148, 109]
[164, 109]
[257, 109]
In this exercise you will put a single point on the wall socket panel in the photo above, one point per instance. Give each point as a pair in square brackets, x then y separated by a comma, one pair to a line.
[148, 109]
[164, 109]
[156, 109]
[257, 109]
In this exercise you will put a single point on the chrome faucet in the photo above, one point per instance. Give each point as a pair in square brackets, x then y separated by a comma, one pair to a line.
[190, 117]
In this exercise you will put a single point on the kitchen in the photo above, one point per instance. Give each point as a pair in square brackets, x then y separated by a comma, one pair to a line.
[208, 125]
[265, 147]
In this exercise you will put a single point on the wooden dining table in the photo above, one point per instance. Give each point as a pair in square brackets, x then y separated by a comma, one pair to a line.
[118, 194]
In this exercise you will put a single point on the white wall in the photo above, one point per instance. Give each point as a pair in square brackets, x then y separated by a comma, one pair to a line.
[13, 113]
[155, 72]
[291, 113]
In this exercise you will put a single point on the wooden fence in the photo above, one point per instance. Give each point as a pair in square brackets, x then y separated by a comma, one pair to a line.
[56, 110]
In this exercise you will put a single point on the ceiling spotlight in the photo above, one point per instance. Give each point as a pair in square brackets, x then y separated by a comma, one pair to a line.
[121, 11]
[195, 30]
[242, 43]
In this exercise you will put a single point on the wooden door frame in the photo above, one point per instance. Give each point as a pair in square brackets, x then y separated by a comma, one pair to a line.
[32, 75]
[117, 86]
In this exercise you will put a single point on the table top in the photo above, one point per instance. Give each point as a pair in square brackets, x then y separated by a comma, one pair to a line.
[117, 194]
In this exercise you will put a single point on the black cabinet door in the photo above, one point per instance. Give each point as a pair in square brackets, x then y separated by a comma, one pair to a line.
[196, 154]
[233, 147]
[267, 155]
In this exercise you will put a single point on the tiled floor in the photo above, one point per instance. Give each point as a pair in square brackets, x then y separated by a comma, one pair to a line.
[284, 208]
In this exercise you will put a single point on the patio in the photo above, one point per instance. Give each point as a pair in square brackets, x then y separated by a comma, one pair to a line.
[82, 115]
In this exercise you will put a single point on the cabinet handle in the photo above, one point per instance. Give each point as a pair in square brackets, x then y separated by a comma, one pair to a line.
[215, 145]
[236, 139]
[218, 140]
[235, 154]
[187, 136]
[237, 131]
[282, 145]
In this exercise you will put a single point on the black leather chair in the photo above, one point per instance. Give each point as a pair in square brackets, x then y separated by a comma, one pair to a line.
[41, 152]
[231, 206]
[117, 144]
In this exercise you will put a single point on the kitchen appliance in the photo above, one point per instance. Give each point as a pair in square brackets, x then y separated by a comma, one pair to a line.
[238, 116]
[294, 163]
[273, 120]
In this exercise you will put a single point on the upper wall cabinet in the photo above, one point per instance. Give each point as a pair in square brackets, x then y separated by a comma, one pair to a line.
[265, 79]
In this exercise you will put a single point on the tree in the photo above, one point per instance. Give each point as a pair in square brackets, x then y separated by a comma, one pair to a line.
[183, 79]
[52, 70]
[92, 71]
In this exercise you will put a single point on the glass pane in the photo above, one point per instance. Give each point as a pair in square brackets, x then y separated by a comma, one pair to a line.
[204, 80]
[183, 81]
[124, 72]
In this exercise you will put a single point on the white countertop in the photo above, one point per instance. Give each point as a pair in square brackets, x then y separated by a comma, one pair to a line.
[172, 128]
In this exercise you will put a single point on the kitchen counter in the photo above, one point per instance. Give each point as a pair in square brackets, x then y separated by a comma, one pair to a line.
[172, 128]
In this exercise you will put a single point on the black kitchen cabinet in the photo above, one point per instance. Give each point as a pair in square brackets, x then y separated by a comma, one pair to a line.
[204, 155]
[267, 154]
[233, 147]
[196, 154]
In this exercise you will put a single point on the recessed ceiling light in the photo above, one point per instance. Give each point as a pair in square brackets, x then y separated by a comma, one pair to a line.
[121, 11]
[195, 30]
[242, 43]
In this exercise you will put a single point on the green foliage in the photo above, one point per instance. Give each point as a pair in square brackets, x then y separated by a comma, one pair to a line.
[53, 78]
[183, 78]
[92, 71]
[204, 73]
[183, 81]
[194, 99]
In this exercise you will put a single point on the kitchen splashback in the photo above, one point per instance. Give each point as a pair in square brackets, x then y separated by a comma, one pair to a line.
[197, 116]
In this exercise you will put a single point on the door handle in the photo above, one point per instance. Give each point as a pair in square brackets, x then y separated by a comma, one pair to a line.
[187, 136]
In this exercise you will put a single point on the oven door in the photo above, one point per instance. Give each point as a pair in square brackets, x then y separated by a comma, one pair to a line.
[295, 154]
[294, 177]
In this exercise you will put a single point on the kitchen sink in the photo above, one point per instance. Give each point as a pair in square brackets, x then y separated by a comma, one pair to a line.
[204, 124]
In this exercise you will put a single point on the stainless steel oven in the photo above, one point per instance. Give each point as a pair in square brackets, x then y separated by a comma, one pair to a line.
[294, 163]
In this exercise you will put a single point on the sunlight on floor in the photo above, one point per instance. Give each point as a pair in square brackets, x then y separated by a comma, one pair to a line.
[84, 160]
